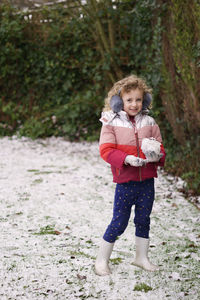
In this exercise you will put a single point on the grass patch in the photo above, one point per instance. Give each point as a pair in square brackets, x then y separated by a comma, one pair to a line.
[47, 230]
[19, 213]
[38, 172]
[142, 287]
[73, 254]
[116, 261]
[62, 261]
[24, 196]
[12, 266]
[36, 181]
[47, 172]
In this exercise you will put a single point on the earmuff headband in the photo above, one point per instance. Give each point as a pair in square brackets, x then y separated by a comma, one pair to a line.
[116, 102]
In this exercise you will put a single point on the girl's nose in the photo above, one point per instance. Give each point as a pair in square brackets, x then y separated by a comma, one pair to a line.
[133, 104]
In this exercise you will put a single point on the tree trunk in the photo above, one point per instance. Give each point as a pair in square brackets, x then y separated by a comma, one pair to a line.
[181, 68]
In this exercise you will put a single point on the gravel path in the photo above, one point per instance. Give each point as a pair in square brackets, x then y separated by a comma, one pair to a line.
[56, 201]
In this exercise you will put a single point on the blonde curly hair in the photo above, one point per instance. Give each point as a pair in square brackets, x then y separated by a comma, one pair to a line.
[126, 84]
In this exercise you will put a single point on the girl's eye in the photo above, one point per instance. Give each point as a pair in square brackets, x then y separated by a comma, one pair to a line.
[139, 100]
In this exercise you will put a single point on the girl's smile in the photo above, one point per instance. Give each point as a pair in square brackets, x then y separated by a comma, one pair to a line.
[133, 102]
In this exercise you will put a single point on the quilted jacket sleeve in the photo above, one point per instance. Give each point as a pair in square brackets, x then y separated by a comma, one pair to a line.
[108, 147]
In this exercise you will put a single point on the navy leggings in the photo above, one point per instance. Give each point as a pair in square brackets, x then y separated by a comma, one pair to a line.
[140, 194]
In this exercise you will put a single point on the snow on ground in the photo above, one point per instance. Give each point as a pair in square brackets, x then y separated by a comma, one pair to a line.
[56, 201]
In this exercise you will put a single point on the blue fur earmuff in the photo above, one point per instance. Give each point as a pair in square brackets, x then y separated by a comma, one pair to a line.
[116, 102]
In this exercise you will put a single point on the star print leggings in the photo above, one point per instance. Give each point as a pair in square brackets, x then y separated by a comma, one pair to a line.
[140, 194]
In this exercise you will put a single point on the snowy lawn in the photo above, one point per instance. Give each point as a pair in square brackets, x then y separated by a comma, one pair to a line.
[56, 201]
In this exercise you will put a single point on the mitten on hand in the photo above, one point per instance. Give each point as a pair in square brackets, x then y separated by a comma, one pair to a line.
[134, 161]
[151, 148]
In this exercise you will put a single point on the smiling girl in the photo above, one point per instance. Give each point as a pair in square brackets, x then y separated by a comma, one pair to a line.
[125, 124]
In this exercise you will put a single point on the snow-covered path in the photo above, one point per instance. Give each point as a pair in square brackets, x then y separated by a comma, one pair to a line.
[56, 201]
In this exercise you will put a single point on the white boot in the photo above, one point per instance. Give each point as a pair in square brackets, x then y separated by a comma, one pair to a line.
[101, 264]
[141, 259]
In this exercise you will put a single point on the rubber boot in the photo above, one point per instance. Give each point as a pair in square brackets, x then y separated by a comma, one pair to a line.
[141, 259]
[101, 264]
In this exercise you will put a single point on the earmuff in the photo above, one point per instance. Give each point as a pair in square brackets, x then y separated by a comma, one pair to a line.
[116, 102]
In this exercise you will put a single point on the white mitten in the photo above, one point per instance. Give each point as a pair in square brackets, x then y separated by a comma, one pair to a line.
[151, 148]
[134, 161]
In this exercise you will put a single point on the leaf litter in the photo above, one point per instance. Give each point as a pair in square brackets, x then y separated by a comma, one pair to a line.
[56, 201]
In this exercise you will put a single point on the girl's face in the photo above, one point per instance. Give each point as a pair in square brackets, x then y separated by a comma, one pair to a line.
[133, 102]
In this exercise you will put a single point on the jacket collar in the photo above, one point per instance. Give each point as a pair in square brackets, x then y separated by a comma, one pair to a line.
[124, 115]
[108, 116]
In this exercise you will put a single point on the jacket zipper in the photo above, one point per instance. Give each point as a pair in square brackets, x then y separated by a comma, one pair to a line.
[137, 143]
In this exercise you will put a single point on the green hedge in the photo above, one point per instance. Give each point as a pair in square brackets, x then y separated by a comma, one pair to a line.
[53, 78]
[45, 72]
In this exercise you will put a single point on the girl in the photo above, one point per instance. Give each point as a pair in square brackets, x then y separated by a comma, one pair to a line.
[131, 143]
